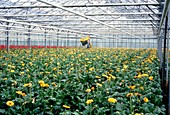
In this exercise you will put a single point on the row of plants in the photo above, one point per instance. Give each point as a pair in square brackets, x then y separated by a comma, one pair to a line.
[76, 81]
[32, 46]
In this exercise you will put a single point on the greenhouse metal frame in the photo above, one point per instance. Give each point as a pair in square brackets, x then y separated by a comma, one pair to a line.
[109, 23]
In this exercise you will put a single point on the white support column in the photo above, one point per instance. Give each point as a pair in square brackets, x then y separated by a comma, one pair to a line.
[29, 39]
[45, 40]
[167, 55]
[17, 38]
[7, 37]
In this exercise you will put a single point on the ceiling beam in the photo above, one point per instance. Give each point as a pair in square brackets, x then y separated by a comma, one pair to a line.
[100, 24]
[22, 29]
[71, 20]
[82, 15]
[87, 14]
[48, 27]
[112, 4]
[83, 5]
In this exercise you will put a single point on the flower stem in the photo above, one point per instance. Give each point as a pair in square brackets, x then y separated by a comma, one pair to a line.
[111, 110]
[131, 107]
[90, 110]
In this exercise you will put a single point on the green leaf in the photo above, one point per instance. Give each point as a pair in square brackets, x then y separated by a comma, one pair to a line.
[52, 99]
[49, 113]
[119, 107]
[157, 110]
[2, 110]
[75, 113]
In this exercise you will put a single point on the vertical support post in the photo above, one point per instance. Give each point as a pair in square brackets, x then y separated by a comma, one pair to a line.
[57, 42]
[159, 48]
[164, 50]
[109, 43]
[168, 98]
[49, 43]
[164, 82]
[101, 42]
[7, 37]
[38, 40]
[17, 38]
[141, 44]
[45, 41]
[116, 42]
[125, 41]
[29, 39]
[96, 42]
[51, 37]
[113, 42]
[57, 39]
[168, 80]
[167, 72]
[135, 43]
[167, 58]
[68, 40]
[76, 41]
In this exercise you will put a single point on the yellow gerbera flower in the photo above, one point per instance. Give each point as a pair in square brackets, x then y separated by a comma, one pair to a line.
[125, 66]
[129, 95]
[145, 99]
[132, 87]
[29, 84]
[112, 100]
[88, 90]
[5, 78]
[145, 75]
[89, 101]
[23, 64]
[151, 78]
[55, 69]
[41, 82]
[10, 103]
[141, 88]
[138, 114]
[98, 84]
[86, 59]
[98, 77]
[12, 71]
[91, 69]
[67, 107]
[23, 94]
[19, 92]
[92, 88]
[46, 85]
[26, 85]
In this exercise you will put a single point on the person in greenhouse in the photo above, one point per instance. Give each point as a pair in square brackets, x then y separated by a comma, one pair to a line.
[86, 42]
[89, 45]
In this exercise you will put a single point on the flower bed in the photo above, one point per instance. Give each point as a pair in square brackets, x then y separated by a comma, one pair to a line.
[26, 47]
[80, 81]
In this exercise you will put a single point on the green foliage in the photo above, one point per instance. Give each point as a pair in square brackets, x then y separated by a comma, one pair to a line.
[54, 81]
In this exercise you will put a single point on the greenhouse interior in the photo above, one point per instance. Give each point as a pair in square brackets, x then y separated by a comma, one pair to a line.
[84, 57]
